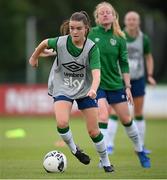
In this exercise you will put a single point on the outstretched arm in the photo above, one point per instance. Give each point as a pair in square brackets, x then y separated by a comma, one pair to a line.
[40, 48]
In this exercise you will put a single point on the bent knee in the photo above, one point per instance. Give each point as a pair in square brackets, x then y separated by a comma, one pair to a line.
[126, 119]
[94, 132]
[62, 124]
[103, 117]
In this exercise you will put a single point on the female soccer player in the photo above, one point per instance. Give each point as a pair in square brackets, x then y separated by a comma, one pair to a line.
[76, 77]
[114, 87]
[138, 45]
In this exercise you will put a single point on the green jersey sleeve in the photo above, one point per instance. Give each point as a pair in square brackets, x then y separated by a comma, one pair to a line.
[52, 43]
[94, 57]
[146, 44]
[123, 56]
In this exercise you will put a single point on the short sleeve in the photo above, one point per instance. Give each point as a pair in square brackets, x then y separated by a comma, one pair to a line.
[146, 44]
[52, 43]
[94, 57]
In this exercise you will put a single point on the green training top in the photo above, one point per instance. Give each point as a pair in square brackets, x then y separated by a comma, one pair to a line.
[74, 51]
[113, 57]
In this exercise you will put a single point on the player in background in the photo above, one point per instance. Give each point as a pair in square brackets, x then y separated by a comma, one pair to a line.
[76, 77]
[139, 55]
[115, 87]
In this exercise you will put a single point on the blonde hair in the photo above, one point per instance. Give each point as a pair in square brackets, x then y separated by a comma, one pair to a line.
[116, 27]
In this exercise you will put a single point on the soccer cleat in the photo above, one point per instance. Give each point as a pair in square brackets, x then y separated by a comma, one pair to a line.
[108, 168]
[82, 157]
[110, 150]
[147, 151]
[144, 160]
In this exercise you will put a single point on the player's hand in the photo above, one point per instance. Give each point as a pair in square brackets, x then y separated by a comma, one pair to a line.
[151, 81]
[33, 62]
[47, 53]
[129, 96]
[92, 93]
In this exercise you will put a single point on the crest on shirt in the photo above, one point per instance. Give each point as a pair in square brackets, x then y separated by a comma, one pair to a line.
[97, 39]
[113, 42]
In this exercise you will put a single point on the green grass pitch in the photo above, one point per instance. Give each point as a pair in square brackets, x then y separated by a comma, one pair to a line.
[21, 158]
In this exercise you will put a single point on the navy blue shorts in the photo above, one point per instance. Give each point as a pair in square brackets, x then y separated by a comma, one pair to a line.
[138, 87]
[112, 97]
[83, 103]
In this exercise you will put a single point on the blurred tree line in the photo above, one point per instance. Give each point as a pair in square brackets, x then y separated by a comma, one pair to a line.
[50, 14]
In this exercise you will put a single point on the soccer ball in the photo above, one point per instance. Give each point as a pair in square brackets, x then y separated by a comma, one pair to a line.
[55, 161]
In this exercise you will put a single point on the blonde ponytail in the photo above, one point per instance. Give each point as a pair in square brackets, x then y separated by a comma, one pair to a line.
[116, 27]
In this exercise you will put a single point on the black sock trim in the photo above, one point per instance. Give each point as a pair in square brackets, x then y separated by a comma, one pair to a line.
[139, 118]
[128, 124]
[114, 117]
[98, 138]
[63, 130]
[103, 125]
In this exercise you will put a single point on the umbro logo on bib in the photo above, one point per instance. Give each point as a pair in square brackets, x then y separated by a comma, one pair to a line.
[73, 66]
[113, 42]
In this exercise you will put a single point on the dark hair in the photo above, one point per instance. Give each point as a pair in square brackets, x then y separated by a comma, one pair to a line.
[77, 16]
[81, 16]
